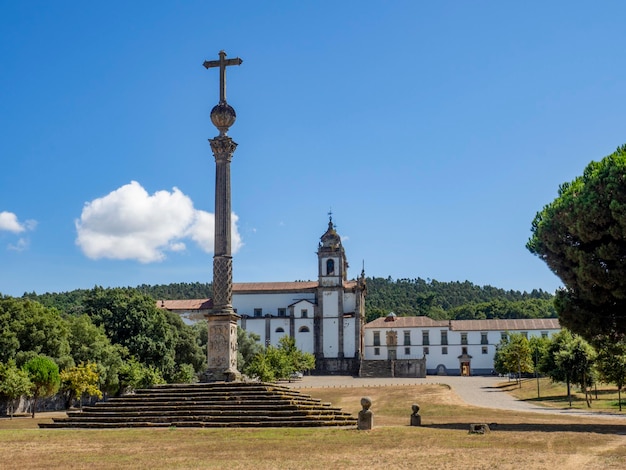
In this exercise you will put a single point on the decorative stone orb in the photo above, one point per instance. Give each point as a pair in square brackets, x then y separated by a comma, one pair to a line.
[366, 403]
[223, 116]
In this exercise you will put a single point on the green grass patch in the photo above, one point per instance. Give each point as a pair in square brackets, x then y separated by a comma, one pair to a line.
[554, 394]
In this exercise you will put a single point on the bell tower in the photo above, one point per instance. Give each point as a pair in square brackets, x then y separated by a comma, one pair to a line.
[332, 263]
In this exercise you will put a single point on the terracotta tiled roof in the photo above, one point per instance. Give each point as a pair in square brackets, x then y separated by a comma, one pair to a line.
[524, 324]
[193, 304]
[468, 325]
[258, 287]
[406, 322]
[248, 288]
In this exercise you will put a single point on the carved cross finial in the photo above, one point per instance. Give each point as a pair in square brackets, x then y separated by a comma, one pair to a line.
[222, 64]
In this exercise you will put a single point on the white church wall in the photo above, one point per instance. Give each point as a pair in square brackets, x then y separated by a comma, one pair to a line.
[331, 304]
[331, 337]
[304, 335]
[279, 327]
[349, 302]
[269, 303]
[349, 349]
[303, 309]
[255, 326]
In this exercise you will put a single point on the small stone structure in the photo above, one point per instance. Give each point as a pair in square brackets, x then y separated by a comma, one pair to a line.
[365, 421]
[479, 428]
[416, 419]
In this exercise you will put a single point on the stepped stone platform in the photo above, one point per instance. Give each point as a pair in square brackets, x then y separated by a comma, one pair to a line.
[220, 404]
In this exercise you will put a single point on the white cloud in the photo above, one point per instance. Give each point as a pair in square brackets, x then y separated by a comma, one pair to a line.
[21, 245]
[9, 222]
[128, 223]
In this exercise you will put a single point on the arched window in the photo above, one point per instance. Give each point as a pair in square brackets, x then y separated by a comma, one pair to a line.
[330, 266]
[280, 330]
[304, 329]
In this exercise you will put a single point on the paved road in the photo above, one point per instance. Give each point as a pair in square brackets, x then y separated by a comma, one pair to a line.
[477, 391]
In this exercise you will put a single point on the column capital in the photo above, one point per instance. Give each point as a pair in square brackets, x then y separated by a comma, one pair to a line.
[223, 148]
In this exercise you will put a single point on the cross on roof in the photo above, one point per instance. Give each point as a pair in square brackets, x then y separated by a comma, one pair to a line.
[222, 63]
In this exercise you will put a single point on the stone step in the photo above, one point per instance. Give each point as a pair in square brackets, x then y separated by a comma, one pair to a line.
[293, 423]
[208, 405]
[205, 413]
[201, 407]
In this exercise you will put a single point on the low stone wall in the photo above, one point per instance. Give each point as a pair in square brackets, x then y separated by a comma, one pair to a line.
[335, 366]
[398, 368]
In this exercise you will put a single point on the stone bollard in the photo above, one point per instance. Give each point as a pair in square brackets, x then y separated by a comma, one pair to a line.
[479, 428]
[416, 419]
[365, 421]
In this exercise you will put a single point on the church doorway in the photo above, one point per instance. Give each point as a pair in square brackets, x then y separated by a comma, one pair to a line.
[465, 369]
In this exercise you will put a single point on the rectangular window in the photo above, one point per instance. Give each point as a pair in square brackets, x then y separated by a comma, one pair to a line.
[407, 338]
[444, 350]
[304, 313]
[464, 350]
[463, 338]
[258, 312]
[282, 312]
[407, 351]
[444, 337]
[485, 350]
[483, 338]
[503, 335]
[425, 340]
[376, 351]
[426, 351]
[376, 338]
[525, 334]
[544, 334]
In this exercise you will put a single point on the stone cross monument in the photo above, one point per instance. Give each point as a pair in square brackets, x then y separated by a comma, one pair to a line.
[222, 344]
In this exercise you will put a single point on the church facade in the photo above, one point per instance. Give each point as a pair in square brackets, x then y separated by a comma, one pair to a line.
[325, 317]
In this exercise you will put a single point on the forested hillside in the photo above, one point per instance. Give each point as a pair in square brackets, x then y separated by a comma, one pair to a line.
[439, 300]
[453, 300]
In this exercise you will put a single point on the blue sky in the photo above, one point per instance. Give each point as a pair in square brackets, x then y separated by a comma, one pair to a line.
[433, 130]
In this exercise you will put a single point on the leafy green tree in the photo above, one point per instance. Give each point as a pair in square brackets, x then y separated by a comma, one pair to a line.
[611, 364]
[513, 354]
[265, 366]
[581, 236]
[89, 343]
[298, 361]
[570, 359]
[134, 375]
[248, 346]
[186, 347]
[14, 383]
[132, 320]
[184, 374]
[28, 329]
[81, 380]
[43, 373]
[538, 351]
[279, 363]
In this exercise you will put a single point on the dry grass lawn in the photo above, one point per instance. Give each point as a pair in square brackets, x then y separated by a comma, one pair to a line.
[520, 440]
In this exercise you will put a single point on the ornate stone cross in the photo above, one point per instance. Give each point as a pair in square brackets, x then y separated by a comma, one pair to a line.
[222, 319]
[222, 64]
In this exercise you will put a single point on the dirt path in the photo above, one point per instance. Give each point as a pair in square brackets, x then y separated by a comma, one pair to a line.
[476, 391]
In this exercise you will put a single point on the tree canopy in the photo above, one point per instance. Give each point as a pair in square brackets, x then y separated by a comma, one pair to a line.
[581, 236]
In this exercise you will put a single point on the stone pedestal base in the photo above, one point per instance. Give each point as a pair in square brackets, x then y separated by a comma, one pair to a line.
[222, 346]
